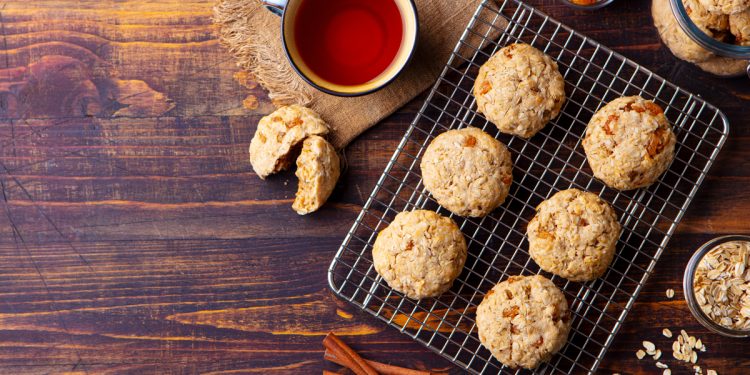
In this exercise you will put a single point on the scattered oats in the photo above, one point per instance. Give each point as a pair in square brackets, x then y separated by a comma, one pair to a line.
[722, 285]
[699, 344]
[667, 333]
[667, 372]
[698, 369]
[650, 347]
[712, 372]
[640, 354]
[684, 335]
[657, 355]
[694, 357]
[691, 342]
[670, 293]
[661, 365]
[676, 347]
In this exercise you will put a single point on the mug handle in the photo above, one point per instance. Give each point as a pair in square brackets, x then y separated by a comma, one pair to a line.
[275, 6]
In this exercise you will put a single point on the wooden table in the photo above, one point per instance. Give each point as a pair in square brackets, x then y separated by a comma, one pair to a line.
[135, 237]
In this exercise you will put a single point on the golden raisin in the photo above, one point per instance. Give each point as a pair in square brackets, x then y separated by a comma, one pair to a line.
[514, 330]
[510, 312]
[656, 144]
[507, 180]
[296, 122]
[508, 294]
[470, 141]
[610, 119]
[484, 88]
[653, 108]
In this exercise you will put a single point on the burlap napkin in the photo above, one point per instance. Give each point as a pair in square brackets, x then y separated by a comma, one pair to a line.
[251, 33]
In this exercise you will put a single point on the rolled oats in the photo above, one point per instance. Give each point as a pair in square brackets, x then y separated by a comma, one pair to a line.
[722, 285]
[667, 333]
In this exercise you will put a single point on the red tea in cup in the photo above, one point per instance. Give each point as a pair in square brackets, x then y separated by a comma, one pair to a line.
[349, 47]
[348, 42]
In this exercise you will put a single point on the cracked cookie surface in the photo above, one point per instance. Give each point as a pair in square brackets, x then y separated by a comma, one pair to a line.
[420, 253]
[318, 170]
[467, 171]
[629, 143]
[573, 235]
[278, 134]
[519, 89]
[523, 321]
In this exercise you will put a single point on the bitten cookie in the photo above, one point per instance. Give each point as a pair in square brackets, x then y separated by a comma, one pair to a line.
[420, 253]
[519, 89]
[725, 6]
[523, 321]
[467, 171]
[629, 143]
[318, 169]
[573, 235]
[278, 133]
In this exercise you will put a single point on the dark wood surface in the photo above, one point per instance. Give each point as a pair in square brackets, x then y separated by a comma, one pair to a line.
[135, 237]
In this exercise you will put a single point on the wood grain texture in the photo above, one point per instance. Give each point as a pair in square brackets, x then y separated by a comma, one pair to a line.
[134, 237]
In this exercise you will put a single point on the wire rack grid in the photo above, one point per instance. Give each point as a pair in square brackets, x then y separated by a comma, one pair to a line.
[550, 161]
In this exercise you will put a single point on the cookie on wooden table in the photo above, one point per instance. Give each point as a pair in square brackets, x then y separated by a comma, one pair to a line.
[519, 89]
[629, 143]
[278, 134]
[573, 235]
[318, 170]
[420, 253]
[523, 321]
[467, 171]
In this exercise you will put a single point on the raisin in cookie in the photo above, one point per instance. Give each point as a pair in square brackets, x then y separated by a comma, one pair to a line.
[725, 6]
[420, 253]
[629, 143]
[519, 89]
[318, 169]
[523, 321]
[467, 171]
[278, 134]
[573, 235]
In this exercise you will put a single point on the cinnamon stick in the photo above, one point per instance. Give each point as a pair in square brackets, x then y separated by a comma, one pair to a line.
[349, 357]
[382, 368]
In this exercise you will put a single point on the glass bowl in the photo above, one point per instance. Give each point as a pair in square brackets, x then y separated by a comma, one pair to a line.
[705, 41]
[597, 5]
[689, 292]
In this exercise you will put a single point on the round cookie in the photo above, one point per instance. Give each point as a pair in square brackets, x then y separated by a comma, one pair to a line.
[519, 89]
[739, 26]
[725, 6]
[523, 321]
[573, 235]
[676, 40]
[467, 171]
[420, 253]
[629, 143]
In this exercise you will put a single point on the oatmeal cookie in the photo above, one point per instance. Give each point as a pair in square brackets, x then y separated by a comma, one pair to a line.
[573, 235]
[523, 321]
[684, 48]
[725, 6]
[519, 89]
[420, 253]
[318, 169]
[629, 143]
[467, 171]
[278, 134]
[739, 26]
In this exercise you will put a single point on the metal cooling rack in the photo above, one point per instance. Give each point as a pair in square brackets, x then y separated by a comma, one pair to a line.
[552, 160]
